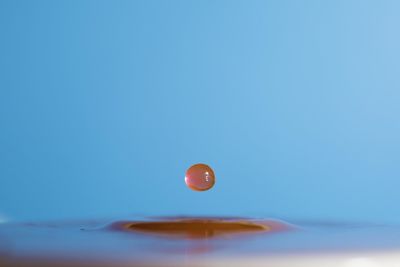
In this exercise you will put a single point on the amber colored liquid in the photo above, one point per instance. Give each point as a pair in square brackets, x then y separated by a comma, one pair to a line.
[201, 228]
[200, 177]
[142, 242]
[193, 241]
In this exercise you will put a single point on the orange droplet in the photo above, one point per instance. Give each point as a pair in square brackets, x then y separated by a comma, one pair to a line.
[200, 177]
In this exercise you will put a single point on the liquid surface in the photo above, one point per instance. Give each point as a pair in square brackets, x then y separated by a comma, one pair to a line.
[178, 241]
[200, 177]
[201, 228]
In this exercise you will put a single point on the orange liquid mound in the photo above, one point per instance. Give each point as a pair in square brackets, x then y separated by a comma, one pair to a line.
[202, 228]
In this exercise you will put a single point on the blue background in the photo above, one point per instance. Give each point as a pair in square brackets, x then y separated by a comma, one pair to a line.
[105, 104]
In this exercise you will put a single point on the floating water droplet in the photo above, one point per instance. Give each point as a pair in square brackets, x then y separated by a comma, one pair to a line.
[200, 177]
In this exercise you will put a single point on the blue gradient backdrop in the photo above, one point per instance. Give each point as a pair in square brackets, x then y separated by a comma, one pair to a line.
[104, 104]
